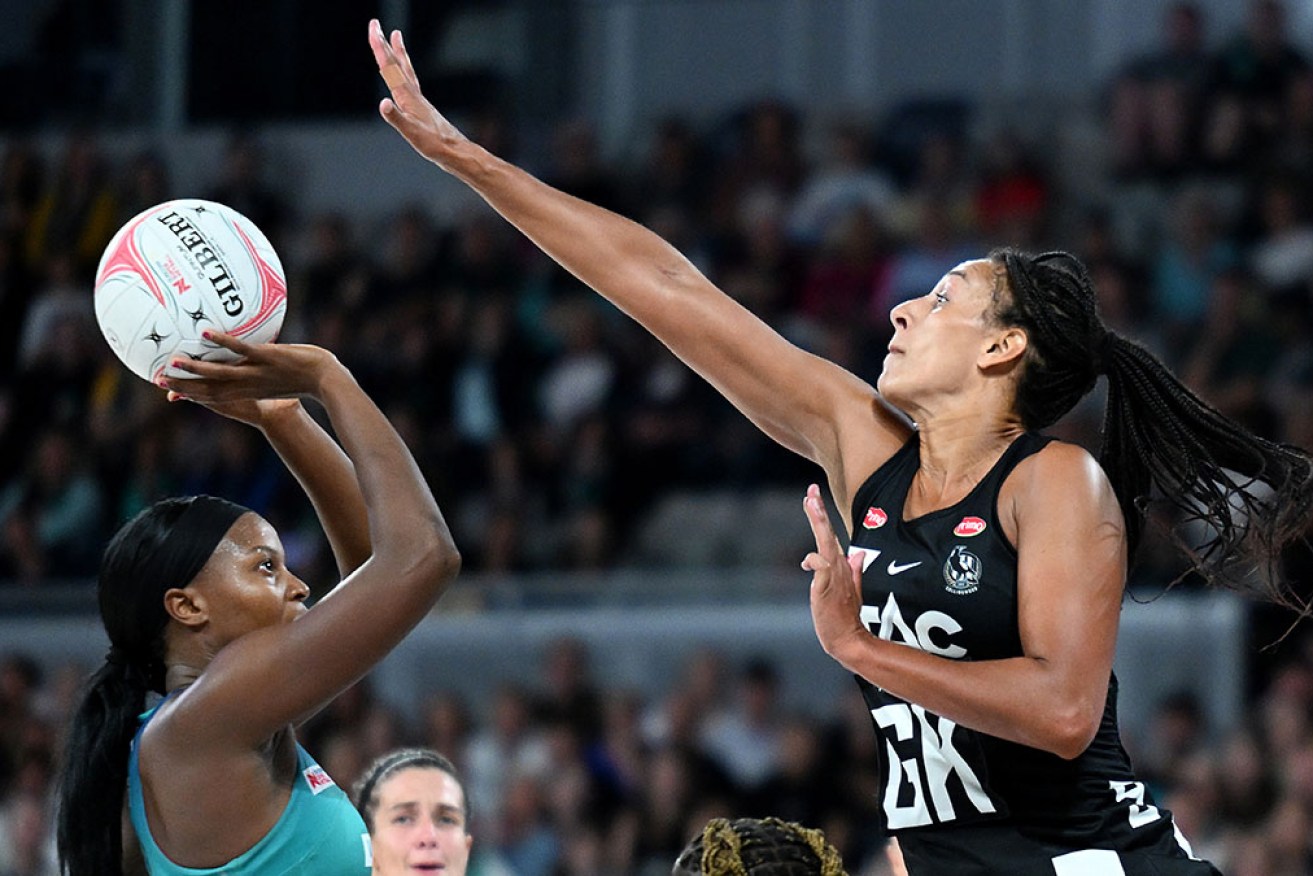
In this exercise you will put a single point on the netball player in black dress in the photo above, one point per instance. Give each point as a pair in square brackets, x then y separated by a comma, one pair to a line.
[981, 604]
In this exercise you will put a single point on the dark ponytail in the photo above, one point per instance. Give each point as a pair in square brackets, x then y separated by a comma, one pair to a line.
[95, 776]
[1161, 442]
[162, 547]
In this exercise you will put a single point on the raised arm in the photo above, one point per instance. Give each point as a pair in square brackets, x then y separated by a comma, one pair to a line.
[269, 678]
[319, 465]
[806, 403]
[1052, 697]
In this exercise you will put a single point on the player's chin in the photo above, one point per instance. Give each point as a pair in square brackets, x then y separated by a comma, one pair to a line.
[888, 385]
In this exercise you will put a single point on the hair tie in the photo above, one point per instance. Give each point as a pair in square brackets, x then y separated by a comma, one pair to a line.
[1104, 349]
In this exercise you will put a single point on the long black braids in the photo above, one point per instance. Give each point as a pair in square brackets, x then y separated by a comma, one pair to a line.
[1160, 441]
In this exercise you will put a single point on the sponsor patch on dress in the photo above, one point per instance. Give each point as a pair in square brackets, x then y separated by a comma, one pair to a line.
[317, 779]
[968, 527]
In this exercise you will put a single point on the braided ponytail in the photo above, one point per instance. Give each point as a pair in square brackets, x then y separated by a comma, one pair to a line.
[1160, 441]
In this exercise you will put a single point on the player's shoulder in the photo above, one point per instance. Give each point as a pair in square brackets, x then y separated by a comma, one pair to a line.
[1058, 456]
[1062, 470]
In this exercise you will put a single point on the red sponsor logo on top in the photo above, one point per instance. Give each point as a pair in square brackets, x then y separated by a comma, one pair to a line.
[969, 526]
[875, 518]
[317, 779]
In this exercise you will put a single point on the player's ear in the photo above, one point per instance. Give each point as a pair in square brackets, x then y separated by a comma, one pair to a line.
[1006, 347]
[187, 606]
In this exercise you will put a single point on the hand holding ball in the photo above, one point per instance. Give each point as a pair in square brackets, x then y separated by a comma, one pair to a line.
[178, 269]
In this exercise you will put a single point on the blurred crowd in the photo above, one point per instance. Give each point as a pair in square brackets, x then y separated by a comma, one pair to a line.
[553, 431]
[526, 397]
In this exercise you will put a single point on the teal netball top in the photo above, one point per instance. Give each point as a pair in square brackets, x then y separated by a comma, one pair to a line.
[319, 832]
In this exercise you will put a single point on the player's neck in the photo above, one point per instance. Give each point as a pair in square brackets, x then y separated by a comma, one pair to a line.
[961, 451]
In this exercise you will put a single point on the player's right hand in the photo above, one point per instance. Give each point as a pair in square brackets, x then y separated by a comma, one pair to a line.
[407, 110]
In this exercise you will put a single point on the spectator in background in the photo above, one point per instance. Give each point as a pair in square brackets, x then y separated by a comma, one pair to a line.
[523, 837]
[508, 744]
[1282, 256]
[942, 180]
[745, 740]
[763, 153]
[934, 247]
[798, 788]
[51, 517]
[1186, 267]
[1123, 308]
[1158, 100]
[761, 266]
[236, 463]
[1247, 780]
[77, 211]
[1254, 73]
[675, 170]
[1233, 350]
[577, 166]
[1012, 200]
[145, 182]
[849, 269]
[242, 185]
[333, 277]
[1290, 152]
[846, 181]
[1176, 735]
[569, 692]
[446, 725]
[22, 186]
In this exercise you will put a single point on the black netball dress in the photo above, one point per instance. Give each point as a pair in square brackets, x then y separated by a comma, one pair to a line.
[963, 802]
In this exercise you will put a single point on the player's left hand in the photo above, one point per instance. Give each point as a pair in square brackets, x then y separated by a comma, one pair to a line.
[260, 412]
[260, 373]
[836, 588]
[407, 110]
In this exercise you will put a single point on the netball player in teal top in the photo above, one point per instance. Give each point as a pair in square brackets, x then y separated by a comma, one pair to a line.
[199, 605]
[984, 633]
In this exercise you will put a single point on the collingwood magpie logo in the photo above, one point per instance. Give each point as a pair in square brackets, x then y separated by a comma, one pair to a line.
[962, 571]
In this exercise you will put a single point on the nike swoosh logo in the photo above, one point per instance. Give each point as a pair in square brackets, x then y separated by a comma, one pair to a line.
[898, 568]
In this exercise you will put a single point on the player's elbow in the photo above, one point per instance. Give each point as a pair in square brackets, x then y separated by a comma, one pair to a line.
[433, 561]
[1071, 730]
[443, 560]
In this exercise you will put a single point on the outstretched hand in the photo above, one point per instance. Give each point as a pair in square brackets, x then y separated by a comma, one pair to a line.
[836, 588]
[407, 110]
[255, 385]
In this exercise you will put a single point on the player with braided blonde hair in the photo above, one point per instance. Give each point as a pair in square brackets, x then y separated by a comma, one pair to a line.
[758, 847]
